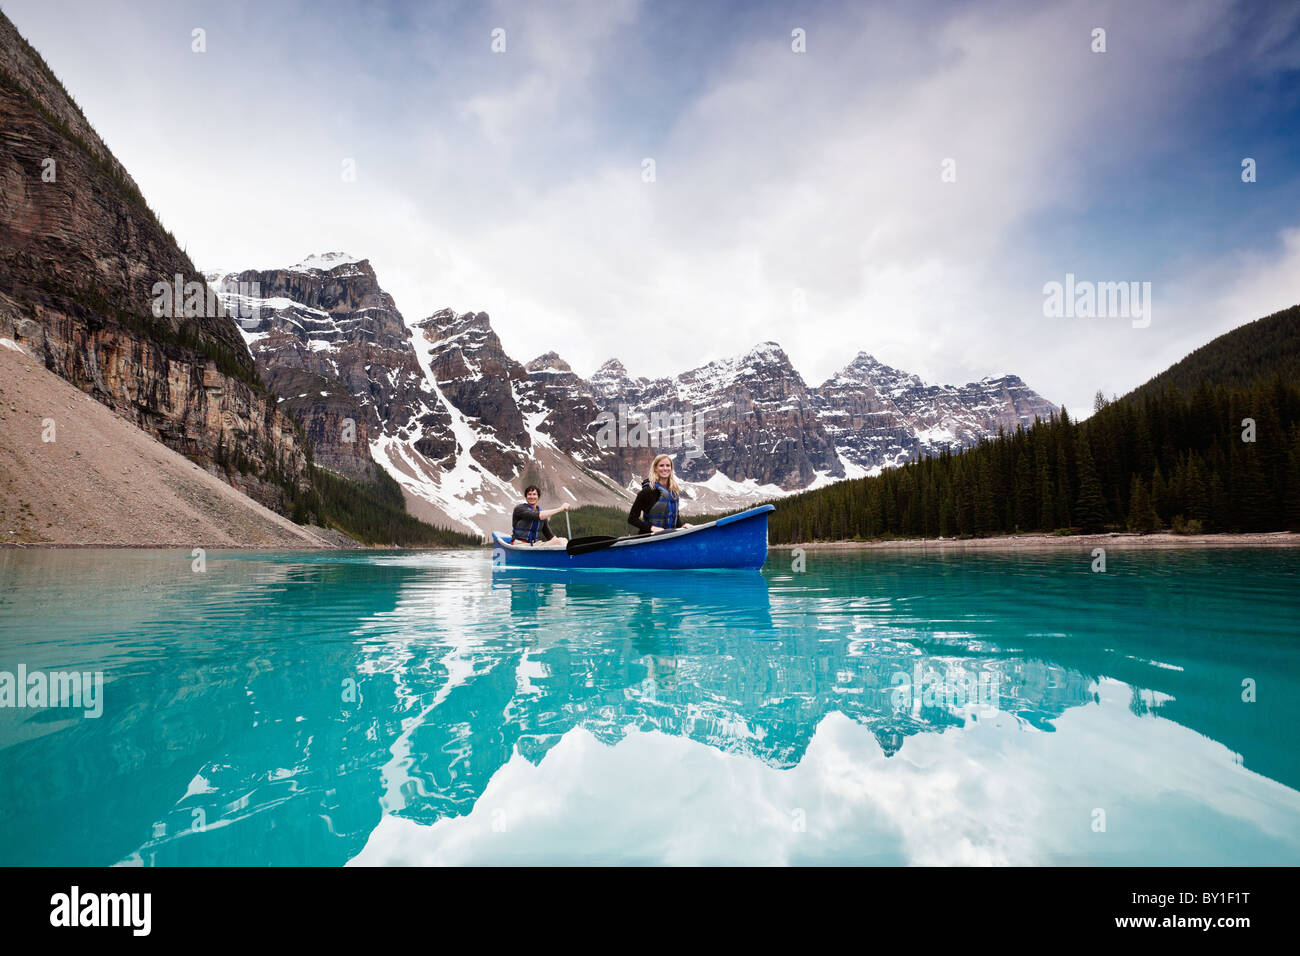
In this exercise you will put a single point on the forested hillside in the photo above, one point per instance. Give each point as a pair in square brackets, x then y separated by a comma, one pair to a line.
[1264, 348]
[1180, 452]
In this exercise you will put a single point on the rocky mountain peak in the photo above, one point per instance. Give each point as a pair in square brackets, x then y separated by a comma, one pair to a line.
[767, 352]
[611, 381]
[548, 362]
[330, 262]
[448, 323]
[1009, 380]
[880, 417]
[765, 371]
[333, 286]
[866, 369]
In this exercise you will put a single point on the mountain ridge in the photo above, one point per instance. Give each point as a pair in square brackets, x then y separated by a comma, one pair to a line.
[462, 425]
[1212, 444]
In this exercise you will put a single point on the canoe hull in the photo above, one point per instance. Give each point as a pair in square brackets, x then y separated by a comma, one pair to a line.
[736, 542]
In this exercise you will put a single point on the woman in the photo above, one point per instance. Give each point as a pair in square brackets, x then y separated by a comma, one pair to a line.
[528, 522]
[658, 500]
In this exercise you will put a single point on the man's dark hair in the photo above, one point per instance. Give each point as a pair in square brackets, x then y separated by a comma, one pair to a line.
[532, 488]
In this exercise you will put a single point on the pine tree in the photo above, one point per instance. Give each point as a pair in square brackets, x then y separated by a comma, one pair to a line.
[1064, 488]
[1141, 516]
[1046, 503]
[876, 509]
[965, 498]
[1026, 510]
[932, 504]
[1198, 498]
[1292, 488]
[1160, 498]
[1256, 504]
[1218, 504]
[1090, 507]
[984, 514]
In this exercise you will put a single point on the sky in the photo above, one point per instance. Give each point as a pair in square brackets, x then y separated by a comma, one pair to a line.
[906, 184]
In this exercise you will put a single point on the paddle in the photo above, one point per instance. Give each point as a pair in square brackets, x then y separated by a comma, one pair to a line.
[593, 542]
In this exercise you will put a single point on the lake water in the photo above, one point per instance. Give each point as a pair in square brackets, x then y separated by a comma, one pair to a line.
[419, 707]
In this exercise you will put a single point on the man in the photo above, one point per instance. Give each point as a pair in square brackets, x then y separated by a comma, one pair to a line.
[528, 523]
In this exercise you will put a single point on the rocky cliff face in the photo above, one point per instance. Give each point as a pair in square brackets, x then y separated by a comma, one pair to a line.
[82, 260]
[563, 409]
[480, 427]
[750, 418]
[612, 383]
[880, 417]
[467, 426]
[472, 371]
[332, 345]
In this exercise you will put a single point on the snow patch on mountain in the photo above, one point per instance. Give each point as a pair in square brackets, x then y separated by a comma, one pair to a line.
[936, 435]
[325, 262]
[749, 488]
[466, 492]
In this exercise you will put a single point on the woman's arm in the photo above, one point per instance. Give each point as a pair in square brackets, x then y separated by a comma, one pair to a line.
[644, 502]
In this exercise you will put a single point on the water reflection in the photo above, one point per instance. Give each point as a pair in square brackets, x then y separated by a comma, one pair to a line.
[315, 709]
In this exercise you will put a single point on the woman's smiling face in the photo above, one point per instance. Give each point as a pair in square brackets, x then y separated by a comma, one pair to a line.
[664, 468]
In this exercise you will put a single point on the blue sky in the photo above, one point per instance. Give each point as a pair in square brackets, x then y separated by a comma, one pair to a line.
[797, 196]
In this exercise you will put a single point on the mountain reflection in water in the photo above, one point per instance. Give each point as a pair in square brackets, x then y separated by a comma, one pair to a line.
[419, 707]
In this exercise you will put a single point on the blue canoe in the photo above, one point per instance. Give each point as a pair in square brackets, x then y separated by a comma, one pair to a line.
[737, 541]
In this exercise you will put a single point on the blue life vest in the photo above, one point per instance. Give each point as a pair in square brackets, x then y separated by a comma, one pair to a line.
[525, 529]
[663, 514]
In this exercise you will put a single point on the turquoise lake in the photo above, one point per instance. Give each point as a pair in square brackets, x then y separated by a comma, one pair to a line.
[878, 708]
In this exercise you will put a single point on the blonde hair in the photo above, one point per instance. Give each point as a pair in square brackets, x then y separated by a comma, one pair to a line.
[672, 477]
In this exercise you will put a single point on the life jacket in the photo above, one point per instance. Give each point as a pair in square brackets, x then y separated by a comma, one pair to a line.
[663, 514]
[526, 529]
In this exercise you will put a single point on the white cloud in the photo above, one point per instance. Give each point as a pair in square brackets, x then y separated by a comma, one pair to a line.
[511, 183]
[993, 792]
[1263, 284]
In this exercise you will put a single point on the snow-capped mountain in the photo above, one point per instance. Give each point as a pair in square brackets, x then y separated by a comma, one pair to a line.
[463, 427]
[331, 343]
[496, 439]
[880, 417]
[438, 405]
[611, 381]
[748, 418]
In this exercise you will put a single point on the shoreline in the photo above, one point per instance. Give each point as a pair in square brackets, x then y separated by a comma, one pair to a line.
[1022, 542]
[1048, 542]
[190, 546]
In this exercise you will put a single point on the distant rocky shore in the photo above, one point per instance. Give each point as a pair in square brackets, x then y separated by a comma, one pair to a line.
[1049, 542]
